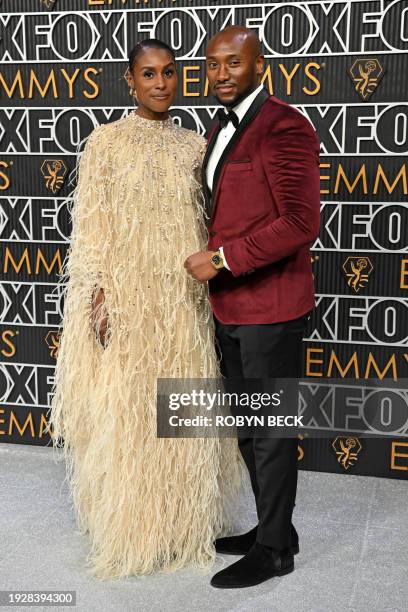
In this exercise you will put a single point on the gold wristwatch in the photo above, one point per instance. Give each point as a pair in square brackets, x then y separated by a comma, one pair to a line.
[217, 260]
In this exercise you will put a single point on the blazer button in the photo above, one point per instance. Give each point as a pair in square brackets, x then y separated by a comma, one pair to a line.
[212, 233]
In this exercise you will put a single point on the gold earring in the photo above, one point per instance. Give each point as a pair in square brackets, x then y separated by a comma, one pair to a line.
[132, 92]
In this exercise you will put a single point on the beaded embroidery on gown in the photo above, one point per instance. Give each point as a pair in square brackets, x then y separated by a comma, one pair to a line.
[147, 504]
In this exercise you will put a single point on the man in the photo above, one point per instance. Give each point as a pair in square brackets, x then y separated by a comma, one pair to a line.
[262, 188]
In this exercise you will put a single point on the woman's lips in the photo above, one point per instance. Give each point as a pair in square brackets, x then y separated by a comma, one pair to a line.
[161, 97]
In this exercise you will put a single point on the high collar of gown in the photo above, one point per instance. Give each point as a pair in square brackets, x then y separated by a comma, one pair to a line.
[152, 125]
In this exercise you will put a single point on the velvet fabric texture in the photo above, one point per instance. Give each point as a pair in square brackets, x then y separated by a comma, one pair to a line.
[265, 212]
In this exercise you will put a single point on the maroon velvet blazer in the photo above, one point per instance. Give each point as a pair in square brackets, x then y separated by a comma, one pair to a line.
[264, 211]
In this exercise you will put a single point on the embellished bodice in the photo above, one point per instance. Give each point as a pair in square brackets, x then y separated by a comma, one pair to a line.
[150, 164]
[153, 211]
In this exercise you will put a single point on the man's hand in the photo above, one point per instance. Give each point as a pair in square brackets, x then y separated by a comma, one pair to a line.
[199, 266]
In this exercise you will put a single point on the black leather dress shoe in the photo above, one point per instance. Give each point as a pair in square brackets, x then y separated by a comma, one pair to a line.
[259, 564]
[240, 545]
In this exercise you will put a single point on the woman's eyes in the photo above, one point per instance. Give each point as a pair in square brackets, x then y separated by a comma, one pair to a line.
[148, 74]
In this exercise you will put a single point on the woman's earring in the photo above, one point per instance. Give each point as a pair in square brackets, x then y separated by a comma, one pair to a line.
[132, 92]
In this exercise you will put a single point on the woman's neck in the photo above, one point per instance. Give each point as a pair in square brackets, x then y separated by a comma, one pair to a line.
[146, 113]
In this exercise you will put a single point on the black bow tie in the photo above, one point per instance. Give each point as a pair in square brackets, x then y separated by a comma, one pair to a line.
[224, 118]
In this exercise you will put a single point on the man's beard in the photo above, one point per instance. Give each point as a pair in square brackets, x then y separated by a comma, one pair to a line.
[239, 98]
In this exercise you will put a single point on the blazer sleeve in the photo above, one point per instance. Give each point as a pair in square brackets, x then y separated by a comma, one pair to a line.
[290, 158]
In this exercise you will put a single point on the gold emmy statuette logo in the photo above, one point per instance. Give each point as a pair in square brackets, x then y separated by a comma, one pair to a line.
[54, 172]
[346, 450]
[49, 4]
[366, 75]
[357, 270]
[313, 258]
[53, 341]
[301, 450]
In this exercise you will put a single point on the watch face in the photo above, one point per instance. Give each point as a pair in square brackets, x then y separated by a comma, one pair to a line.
[216, 260]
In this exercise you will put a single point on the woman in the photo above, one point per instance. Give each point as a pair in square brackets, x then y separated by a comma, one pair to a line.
[132, 315]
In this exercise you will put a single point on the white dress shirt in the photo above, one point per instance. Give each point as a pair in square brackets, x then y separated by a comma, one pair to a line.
[223, 138]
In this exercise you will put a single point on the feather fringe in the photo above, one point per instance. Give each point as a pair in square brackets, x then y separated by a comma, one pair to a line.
[147, 504]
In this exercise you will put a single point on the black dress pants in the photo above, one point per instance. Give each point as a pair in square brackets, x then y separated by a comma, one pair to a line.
[267, 351]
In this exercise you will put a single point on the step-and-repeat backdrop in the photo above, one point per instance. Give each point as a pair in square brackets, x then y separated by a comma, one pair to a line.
[342, 64]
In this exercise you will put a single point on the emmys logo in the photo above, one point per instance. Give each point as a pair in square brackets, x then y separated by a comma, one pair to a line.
[314, 258]
[54, 172]
[346, 450]
[357, 270]
[52, 340]
[49, 4]
[301, 450]
[366, 74]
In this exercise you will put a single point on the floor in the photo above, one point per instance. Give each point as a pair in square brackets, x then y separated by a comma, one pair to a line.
[353, 536]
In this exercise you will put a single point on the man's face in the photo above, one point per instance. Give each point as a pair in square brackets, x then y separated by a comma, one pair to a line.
[233, 68]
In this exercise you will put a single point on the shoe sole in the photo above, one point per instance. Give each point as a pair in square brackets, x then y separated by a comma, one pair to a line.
[282, 572]
[294, 550]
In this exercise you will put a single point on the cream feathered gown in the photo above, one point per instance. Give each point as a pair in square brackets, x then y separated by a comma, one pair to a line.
[146, 503]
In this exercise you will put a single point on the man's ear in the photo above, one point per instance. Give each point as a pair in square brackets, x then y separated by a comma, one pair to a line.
[260, 60]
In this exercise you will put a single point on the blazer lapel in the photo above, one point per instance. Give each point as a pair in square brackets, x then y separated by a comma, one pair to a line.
[211, 143]
[246, 120]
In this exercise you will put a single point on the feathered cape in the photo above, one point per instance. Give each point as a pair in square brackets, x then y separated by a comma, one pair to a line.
[146, 503]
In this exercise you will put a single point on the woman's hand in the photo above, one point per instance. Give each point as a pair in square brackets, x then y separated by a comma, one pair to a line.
[99, 315]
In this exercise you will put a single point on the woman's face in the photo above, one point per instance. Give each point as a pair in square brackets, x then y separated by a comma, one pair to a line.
[154, 78]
